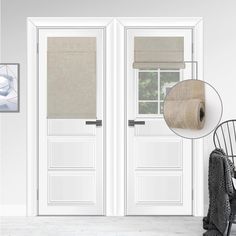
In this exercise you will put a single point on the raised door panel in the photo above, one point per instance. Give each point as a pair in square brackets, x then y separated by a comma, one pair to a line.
[77, 188]
[148, 186]
[72, 153]
[152, 153]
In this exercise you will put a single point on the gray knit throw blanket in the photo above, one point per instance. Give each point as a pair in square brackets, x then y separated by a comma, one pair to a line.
[221, 190]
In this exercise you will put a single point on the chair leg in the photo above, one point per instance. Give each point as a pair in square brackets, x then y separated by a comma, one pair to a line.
[229, 228]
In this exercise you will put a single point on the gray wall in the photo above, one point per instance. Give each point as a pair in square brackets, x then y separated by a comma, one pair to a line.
[219, 55]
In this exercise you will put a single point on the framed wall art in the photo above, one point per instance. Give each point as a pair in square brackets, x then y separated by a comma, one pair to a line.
[9, 87]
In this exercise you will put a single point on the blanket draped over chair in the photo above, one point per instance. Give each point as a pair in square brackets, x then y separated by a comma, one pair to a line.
[221, 191]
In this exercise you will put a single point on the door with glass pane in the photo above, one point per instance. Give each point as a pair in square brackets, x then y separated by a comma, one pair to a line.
[70, 122]
[159, 169]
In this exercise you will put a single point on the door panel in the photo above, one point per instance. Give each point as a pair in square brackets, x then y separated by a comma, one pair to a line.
[157, 128]
[70, 93]
[70, 127]
[64, 153]
[169, 182]
[85, 192]
[159, 169]
[168, 147]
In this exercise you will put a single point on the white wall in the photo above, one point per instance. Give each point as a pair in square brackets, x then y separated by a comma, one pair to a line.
[219, 54]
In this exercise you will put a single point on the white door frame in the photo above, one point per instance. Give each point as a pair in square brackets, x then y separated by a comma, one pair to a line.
[34, 24]
[123, 24]
[114, 146]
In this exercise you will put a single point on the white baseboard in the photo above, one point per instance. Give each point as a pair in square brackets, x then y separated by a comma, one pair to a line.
[12, 210]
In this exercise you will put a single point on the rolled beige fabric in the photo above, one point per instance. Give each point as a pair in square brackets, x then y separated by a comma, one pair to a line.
[184, 105]
[187, 89]
[185, 114]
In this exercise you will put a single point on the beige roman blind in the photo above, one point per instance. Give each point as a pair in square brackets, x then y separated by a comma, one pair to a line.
[71, 77]
[158, 52]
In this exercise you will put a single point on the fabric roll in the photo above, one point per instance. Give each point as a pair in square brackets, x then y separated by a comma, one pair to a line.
[187, 89]
[184, 105]
[185, 114]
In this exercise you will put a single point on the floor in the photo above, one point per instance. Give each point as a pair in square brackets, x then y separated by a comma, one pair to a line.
[100, 226]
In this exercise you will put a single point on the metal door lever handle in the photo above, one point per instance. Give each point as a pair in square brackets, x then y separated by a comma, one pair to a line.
[97, 122]
[133, 122]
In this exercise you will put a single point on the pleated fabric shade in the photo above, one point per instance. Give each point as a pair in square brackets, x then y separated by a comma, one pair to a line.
[158, 52]
[71, 77]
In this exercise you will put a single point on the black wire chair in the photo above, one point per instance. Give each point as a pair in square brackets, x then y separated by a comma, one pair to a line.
[224, 137]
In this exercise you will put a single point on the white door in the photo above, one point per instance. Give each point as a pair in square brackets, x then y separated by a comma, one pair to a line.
[159, 163]
[71, 161]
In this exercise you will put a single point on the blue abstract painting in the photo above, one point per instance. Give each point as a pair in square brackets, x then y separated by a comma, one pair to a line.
[9, 83]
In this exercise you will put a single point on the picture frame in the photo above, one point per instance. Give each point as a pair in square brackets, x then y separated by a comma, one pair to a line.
[9, 87]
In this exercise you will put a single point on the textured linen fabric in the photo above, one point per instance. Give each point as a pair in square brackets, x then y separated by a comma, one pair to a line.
[221, 191]
[71, 78]
[158, 52]
[184, 114]
[184, 105]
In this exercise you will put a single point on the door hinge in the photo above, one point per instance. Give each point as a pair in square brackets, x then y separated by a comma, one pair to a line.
[37, 47]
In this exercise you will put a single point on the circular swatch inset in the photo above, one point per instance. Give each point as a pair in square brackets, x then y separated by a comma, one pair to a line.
[192, 109]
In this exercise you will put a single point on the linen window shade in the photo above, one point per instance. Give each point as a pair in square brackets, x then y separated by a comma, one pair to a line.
[71, 77]
[158, 52]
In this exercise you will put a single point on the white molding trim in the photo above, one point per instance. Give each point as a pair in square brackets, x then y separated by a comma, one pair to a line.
[77, 22]
[1, 189]
[120, 120]
[33, 25]
[174, 22]
[206, 207]
[198, 148]
[198, 178]
[110, 121]
[12, 210]
[196, 24]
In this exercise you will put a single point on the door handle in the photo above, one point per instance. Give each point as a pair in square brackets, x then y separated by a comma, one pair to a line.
[133, 122]
[96, 122]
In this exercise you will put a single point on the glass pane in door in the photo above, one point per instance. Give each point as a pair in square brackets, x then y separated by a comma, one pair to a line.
[167, 81]
[71, 77]
[148, 107]
[148, 92]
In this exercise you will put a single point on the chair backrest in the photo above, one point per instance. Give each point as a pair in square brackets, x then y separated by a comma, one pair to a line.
[224, 137]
